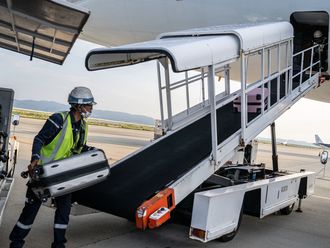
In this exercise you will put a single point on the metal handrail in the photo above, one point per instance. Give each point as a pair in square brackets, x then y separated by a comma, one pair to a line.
[226, 97]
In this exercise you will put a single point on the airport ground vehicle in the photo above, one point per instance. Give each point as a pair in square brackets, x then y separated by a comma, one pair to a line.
[8, 145]
[191, 158]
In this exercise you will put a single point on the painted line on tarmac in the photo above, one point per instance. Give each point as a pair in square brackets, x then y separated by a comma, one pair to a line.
[294, 154]
[321, 197]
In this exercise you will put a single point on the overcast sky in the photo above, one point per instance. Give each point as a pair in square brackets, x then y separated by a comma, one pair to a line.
[131, 89]
[115, 89]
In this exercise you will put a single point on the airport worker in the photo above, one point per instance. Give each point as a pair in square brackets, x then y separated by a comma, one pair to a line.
[63, 135]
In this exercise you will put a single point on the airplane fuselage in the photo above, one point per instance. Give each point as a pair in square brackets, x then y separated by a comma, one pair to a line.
[118, 22]
[114, 22]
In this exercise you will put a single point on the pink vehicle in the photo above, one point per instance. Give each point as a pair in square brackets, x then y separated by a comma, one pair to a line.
[254, 101]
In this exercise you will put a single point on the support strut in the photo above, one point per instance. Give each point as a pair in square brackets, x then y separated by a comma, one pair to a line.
[274, 148]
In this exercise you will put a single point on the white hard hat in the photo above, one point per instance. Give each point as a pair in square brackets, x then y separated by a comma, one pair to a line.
[317, 34]
[81, 95]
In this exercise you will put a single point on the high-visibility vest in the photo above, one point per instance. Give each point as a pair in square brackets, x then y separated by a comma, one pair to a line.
[64, 145]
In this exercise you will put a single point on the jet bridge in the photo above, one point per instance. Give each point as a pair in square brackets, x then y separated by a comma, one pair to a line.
[202, 137]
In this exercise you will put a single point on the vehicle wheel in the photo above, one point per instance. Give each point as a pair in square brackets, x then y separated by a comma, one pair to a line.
[229, 236]
[287, 210]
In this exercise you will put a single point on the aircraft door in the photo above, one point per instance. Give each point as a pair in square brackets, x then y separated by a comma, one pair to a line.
[311, 28]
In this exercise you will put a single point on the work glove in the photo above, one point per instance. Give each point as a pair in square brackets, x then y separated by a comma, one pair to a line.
[30, 170]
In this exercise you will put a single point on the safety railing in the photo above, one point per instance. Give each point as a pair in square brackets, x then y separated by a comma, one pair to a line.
[305, 64]
[192, 109]
[268, 85]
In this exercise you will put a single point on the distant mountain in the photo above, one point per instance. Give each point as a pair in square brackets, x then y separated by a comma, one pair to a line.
[49, 106]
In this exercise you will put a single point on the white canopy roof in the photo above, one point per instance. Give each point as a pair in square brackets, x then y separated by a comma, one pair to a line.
[251, 36]
[194, 48]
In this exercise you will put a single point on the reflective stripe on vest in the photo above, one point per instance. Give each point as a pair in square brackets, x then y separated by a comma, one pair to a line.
[62, 145]
[79, 146]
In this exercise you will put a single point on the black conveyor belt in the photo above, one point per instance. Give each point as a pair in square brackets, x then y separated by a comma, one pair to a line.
[140, 176]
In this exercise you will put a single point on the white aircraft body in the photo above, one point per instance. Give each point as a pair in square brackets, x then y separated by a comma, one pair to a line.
[114, 22]
[118, 22]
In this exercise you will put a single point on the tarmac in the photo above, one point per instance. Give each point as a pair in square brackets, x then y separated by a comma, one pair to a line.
[97, 230]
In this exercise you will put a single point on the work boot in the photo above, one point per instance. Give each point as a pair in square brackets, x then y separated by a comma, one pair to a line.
[16, 244]
[58, 245]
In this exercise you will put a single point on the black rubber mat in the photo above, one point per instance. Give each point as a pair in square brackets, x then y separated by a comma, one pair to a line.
[139, 177]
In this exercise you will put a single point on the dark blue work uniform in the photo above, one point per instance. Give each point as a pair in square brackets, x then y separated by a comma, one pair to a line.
[32, 204]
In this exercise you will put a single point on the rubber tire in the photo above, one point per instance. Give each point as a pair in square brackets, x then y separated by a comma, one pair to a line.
[230, 236]
[287, 210]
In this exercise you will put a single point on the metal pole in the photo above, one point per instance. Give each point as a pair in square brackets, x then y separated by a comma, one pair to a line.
[263, 78]
[12, 18]
[203, 86]
[301, 196]
[320, 54]
[32, 49]
[274, 149]
[291, 64]
[211, 91]
[301, 68]
[187, 91]
[227, 80]
[160, 94]
[311, 64]
[299, 206]
[286, 66]
[243, 98]
[269, 57]
[278, 71]
[168, 95]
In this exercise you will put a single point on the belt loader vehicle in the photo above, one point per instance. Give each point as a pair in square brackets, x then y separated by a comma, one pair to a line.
[191, 157]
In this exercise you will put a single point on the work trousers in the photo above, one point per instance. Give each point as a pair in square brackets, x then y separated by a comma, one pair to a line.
[30, 210]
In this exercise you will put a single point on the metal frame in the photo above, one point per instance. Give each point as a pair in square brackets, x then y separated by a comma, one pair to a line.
[249, 129]
[212, 100]
[311, 65]
[53, 47]
[170, 121]
[224, 151]
[243, 46]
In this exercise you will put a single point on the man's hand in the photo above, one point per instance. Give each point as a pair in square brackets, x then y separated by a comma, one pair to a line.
[25, 174]
[322, 79]
[90, 148]
[31, 166]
